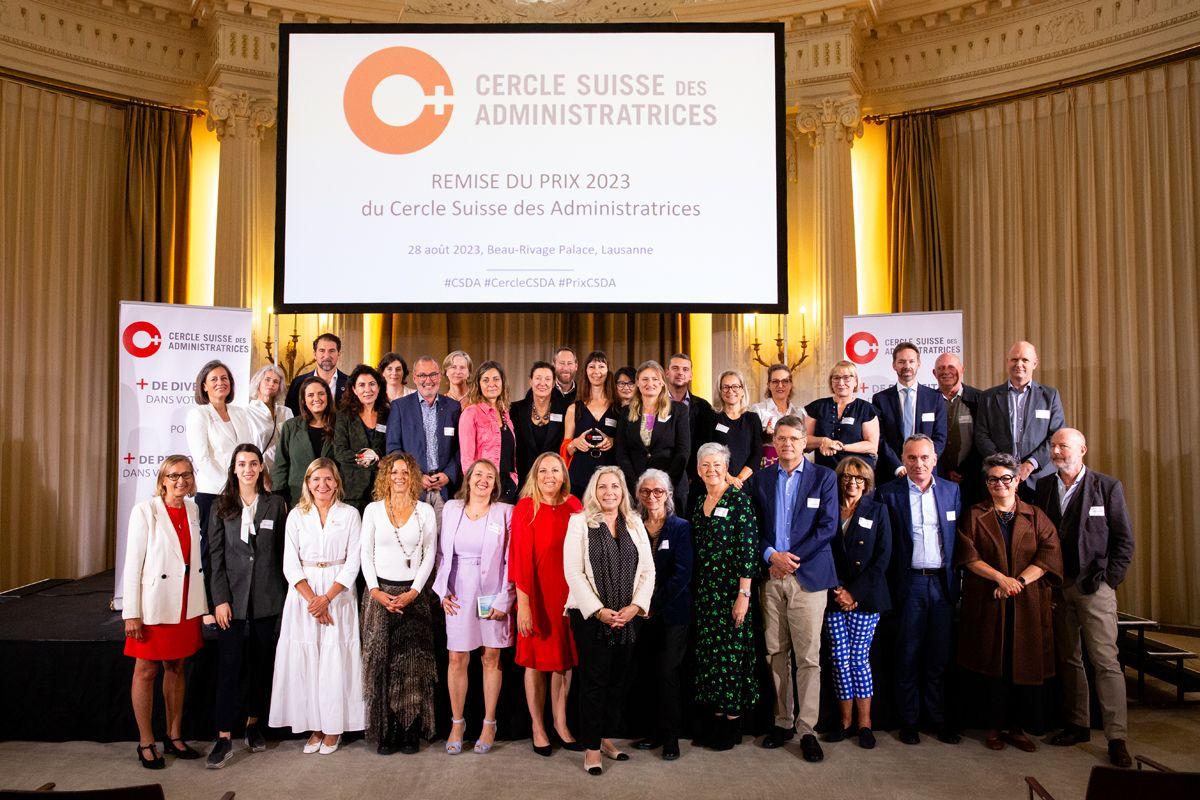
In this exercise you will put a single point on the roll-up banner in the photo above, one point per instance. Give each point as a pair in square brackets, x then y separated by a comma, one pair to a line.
[162, 348]
[868, 341]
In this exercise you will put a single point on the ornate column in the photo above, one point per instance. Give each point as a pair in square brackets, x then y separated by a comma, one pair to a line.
[831, 125]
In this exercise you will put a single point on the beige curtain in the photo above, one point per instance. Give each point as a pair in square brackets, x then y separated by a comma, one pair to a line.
[1072, 221]
[61, 172]
[916, 259]
[517, 340]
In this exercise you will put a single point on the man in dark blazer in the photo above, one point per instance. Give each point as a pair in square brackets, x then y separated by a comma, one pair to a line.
[960, 461]
[797, 504]
[327, 350]
[700, 414]
[416, 417]
[924, 585]
[1089, 510]
[1019, 417]
[905, 409]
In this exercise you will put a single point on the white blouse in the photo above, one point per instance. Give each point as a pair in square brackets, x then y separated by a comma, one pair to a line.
[267, 424]
[769, 414]
[211, 441]
[406, 553]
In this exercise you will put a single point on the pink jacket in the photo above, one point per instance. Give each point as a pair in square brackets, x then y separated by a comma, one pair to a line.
[479, 436]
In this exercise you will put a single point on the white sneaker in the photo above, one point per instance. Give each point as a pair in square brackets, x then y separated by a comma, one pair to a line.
[326, 749]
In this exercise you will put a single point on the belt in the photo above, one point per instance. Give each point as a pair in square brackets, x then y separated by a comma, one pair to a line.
[923, 571]
[322, 564]
[467, 559]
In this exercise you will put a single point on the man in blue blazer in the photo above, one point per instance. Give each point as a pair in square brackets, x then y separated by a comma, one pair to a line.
[923, 584]
[417, 417]
[1019, 416]
[905, 409]
[797, 503]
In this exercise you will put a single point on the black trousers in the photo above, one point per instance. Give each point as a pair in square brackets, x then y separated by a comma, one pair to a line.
[204, 504]
[605, 672]
[660, 649]
[1009, 705]
[248, 643]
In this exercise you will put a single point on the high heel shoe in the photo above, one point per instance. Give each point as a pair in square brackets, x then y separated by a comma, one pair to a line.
[484, 747]
[454, 746]
[186, 753]
[327, 749]
[155, 761]
[573, 746]
[545, 750]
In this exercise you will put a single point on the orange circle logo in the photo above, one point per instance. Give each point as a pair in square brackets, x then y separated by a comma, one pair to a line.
[398, 139]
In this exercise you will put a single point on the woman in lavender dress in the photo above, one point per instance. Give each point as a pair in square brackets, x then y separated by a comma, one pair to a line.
[473, 583]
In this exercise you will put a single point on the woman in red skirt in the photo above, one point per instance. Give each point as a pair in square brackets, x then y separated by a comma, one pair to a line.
[163, 602]
[535, 563]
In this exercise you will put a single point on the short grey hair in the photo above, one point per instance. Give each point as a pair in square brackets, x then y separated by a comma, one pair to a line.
[1005, 460]
[711, 449]
[919, 437]
[262, 373]
[663, 478]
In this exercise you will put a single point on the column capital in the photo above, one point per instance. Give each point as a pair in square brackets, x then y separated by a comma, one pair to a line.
[234, 113]
[831, 119]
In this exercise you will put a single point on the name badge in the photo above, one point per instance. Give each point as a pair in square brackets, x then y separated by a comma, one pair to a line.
[847, 420]
[863, 522]
[720, 512]
[951, 516]
[964, 418]
[722, 428]
[814, 502]
[665, 544]
[556, 417]
[1096, 511]
[493, 527]
[448, 431]
[927, 416]
[609, 422]
[1042, 413]
[267, 525]
[381, 428]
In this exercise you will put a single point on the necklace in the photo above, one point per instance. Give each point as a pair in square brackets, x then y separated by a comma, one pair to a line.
[412, 554]
[541, 419]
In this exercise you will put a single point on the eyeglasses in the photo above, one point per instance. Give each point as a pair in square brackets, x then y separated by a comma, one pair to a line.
[992, 480]
[625, 384]
[653, 492]
[179, 476]
[859, 479]
[780, 381]
[424, 376]
[733, 387]
[841, 378]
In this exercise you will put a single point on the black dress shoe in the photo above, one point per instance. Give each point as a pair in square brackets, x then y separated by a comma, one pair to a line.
[948, 736]
[574, 747]
[810, 748]
[222, 751]
[839, 734]
[777, 737]
[155, 761]
[1071, 736]
[545, 751]
[909, 735]
[649, 743]
[866, 739]
[670, 749]
[722, 735]
[254, 739]
[1118, 755]
[186, 753]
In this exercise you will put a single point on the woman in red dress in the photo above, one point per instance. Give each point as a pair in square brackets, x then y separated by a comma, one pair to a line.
[163, 602]
[535, 562]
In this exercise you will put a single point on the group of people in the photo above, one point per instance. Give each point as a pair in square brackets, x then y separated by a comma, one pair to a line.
[611, 525]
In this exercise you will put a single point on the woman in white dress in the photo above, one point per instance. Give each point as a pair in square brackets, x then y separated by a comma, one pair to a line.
[214, 428]
[267, 412]
[318, 667]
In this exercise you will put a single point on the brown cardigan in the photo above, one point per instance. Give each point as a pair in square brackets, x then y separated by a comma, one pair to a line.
[981, 632]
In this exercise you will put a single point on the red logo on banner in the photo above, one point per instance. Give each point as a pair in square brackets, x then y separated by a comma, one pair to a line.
[862, 347]
[141, 351]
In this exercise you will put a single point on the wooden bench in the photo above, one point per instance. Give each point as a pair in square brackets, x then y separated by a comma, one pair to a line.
[1160, 651]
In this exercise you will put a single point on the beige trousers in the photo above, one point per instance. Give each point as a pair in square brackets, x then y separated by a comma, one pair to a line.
[1090, 620]
[792, 620]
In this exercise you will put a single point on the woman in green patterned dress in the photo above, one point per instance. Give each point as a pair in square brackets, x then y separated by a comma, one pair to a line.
[724, 536]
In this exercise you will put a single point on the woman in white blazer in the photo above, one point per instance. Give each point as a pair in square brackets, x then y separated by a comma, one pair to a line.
[610, 575]
[214, 428]
[163, 602]
[318, 680]
[267, 413]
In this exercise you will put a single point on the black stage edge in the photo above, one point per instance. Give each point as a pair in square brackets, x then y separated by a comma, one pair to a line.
[64, 677]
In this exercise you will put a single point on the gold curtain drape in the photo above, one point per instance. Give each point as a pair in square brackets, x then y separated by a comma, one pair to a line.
[1072, 221]
[517, 340]
[916, 257]
[69, 246]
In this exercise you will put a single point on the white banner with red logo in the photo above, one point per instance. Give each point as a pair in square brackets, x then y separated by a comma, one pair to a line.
[869, 340]
[163, 347]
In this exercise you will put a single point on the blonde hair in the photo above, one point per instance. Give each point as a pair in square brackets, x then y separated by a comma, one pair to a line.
[464, 491]
[258, 379]
[383, 476]
[719, 398]
[531, 490]
[845, 365]
[449, 360]
[664, 398]
[306, 499]
[168, 462]
[591, 506]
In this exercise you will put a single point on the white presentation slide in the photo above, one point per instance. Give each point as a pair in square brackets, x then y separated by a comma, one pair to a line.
[604, 168]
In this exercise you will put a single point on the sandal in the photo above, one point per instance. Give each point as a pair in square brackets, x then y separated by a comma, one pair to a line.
[155, 761]
[484, 747]
[454, 747]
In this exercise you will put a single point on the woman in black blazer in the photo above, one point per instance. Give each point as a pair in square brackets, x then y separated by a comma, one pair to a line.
[654, 432]
[246, 587]
[303, 439]
[537, 420]
[360, 435]
[861, 552]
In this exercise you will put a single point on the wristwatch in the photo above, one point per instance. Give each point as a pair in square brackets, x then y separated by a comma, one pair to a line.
[745, 592]
[1021, 580]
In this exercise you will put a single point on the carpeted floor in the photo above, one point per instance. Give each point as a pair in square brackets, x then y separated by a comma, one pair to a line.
[930, 771]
